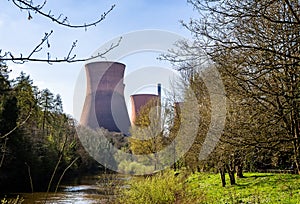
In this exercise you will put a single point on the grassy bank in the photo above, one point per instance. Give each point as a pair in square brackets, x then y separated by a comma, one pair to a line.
[206, 188]
[255, 188]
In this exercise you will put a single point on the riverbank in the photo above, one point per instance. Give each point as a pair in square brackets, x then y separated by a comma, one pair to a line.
[170, 187]
[92, 189]
[207, 188]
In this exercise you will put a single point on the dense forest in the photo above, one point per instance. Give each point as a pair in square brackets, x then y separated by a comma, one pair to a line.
[38, 142]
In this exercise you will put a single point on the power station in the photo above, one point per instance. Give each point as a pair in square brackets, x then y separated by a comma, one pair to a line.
[105, 105]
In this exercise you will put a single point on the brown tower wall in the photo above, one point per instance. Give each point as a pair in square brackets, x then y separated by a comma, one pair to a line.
[104, 103]
[138, 101]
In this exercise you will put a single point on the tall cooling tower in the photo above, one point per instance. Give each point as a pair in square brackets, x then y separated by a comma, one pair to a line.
[138, 101]
[104, 104]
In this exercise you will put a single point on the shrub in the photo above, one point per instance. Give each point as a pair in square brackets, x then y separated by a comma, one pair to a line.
[163, 187]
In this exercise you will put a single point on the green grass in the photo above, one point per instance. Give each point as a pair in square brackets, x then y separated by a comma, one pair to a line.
[206, 188]
[254, 188]
[161, 188]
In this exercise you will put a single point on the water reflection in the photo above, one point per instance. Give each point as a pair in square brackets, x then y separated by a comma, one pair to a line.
[65, 198]
[85, 190]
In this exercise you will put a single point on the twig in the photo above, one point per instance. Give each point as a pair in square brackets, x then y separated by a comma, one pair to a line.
[29, 6]
[55, 169]
[17, 126]
[38, 48]
[63, 173]
[30, 178]
[21, 60]
[24, 5]
[3, 155]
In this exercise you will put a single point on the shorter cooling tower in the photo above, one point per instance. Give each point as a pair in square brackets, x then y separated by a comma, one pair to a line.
[138, 101]
[104, 103]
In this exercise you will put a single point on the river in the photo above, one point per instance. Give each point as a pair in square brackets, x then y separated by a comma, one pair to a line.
[84, 190]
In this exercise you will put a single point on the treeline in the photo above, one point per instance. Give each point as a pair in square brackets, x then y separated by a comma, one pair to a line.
[38, 142]
[254, 46]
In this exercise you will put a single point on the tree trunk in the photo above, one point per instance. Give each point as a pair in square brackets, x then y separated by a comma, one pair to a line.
[296, 155]
[232, 177]
[297, 164]
[231, 172]
[239, 171]
[222, 173]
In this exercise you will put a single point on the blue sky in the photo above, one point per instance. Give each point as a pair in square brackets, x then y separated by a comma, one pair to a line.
[19, 35]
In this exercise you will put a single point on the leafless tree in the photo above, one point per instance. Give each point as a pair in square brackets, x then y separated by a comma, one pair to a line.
[255, 46]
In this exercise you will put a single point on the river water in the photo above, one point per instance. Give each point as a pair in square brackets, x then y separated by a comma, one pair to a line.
[84, 190]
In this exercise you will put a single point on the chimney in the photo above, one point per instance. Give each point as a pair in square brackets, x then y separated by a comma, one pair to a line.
[159, 90]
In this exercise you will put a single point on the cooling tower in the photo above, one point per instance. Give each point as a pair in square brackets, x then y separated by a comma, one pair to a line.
[138, 101]
[104, 104]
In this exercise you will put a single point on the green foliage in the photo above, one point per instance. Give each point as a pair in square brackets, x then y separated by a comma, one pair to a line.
[146, 136]
[163, 187]
[206, 188]
[133, 167]
[35, 135]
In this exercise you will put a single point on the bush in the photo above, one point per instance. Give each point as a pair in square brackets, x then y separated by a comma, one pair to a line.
[163, 187]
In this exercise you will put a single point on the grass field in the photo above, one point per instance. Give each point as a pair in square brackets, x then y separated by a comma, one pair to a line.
[254, 188]
[206, 188]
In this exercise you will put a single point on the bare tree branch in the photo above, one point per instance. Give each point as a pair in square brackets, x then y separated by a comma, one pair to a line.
[70, 58]
[29, 6]
[17, 126]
